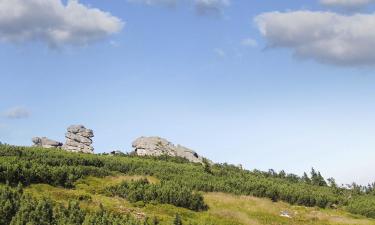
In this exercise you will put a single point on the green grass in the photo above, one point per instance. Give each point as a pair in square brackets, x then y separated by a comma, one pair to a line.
[224, 209]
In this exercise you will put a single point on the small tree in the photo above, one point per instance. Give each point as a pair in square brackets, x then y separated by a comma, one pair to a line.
[207, 166]
[317, 178]
[306, 179]
[282, 174]
[332, 182]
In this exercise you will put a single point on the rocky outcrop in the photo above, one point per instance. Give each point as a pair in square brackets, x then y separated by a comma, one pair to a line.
[156, 146]
[45, 142]
[78, 139]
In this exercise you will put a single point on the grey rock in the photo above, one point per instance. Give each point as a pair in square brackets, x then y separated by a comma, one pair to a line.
[83, 149]
[157, 146]
[87, 133]
[81, 130]
[188, 154]
[75, 144]
[78, 139]
[75, 128]
[45, 142]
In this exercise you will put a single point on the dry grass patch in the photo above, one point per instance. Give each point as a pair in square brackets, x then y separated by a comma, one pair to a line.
[251, 210]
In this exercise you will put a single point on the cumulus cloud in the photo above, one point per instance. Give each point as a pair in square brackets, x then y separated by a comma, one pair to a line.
[249, 42]
[349, 4]
[326, 37]
[17, 113]
[208, 6]
[53, 23]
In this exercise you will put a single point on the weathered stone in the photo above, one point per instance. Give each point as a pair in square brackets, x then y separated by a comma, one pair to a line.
[188, 154]
[156, 146]
[75, 128]
[80, 129]
[78, 139]
[76, 144]
[45, 142]
[87, 133]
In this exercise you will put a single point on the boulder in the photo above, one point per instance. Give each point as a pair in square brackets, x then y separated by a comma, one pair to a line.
[45, 142]
[78, 139]
[157, 146]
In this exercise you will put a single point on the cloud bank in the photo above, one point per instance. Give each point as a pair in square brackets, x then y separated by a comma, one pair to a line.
[201, 6]
[53, 23]
[207, 6]
[17, 113]
[326, 37]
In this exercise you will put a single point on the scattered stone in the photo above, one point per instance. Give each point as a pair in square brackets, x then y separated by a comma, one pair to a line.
[157, 146]
[46, 143]
[285, 214]
[78, 139]
[117, 153]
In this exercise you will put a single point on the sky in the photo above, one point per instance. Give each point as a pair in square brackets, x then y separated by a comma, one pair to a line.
[266, 84]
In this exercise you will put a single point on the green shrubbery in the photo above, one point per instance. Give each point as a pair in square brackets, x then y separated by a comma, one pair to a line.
[178, 178]
[165, 193]
[363, 205]
[17, 208]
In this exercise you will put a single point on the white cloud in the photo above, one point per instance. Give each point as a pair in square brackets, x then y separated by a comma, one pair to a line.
[349, 4]
[155, 2]
[249, 42]
[17, 113]
[53, 23]
[207, 6]
[326, 37]
[220, 52]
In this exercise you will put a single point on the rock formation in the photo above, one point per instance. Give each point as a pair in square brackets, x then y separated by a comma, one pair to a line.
[78, 139]
[156, 146]
[46, 143]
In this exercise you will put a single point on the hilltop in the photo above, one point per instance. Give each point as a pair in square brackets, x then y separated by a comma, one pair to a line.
[73, 188]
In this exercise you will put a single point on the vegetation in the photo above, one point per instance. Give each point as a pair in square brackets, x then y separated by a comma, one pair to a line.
[17, 208]
[180, 184]
[165, 193]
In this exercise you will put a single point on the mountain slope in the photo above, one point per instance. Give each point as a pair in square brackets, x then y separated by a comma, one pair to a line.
[223, 209]
[128, 189]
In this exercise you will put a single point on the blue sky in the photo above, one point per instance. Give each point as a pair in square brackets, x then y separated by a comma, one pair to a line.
[237, 81]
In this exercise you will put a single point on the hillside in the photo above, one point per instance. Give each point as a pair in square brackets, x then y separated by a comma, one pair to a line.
[41, 186]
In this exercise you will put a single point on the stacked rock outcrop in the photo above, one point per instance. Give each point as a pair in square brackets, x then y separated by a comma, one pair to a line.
[46, 143]
[157, 146]
[78, 139]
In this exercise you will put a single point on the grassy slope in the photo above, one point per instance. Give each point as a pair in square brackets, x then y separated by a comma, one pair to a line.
[224, 209]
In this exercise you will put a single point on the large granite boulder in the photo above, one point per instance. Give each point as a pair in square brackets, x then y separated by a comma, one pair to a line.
[78, 139]
[157, 146]
[46, 143]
